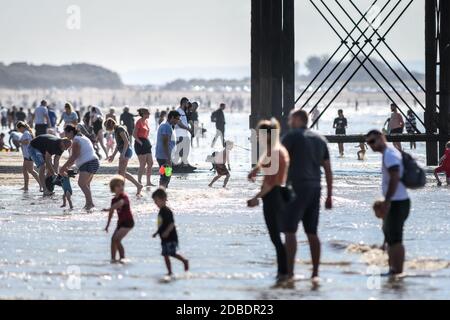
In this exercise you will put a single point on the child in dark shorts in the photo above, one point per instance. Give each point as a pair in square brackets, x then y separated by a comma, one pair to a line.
[167, 231]
[221, 163]
[125, 222]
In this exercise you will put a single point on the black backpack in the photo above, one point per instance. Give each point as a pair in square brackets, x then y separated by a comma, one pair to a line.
[214, 116]
[414, 176]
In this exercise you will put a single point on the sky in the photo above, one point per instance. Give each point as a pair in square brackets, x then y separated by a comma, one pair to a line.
[154, 41]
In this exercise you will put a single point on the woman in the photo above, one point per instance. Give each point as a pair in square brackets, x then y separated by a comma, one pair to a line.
[28, 167]
[96, 122]
[274, 164]
[143, 147]
[123, 147]
[69, 116]
[83, 156]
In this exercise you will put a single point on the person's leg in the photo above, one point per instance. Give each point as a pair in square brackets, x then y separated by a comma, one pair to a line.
[142, 163]
[310, 224]
[149, 160]
[69, 199]
[184, 260]
[436, 175]
[314, 247]
[101, 140]
[26, 177]
[34, 174]
[84, 181]
[291, 251]
[64, 201]
[168, 265]
[214, 180]
[118, 236]
[123, 163]
[42, 178]
[227, 178]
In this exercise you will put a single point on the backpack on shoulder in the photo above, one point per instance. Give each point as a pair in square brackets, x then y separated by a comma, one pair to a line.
[414, 176]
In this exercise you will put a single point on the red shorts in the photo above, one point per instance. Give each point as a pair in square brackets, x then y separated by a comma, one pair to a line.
[443, 169]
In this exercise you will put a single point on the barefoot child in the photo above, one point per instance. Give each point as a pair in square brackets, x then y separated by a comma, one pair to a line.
[444, 166]
[125, 222]
[167, 231]
[67, 192]
[221, 162]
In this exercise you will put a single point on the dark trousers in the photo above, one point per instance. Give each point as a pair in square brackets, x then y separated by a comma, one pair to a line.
[163, 179]
[273, 204]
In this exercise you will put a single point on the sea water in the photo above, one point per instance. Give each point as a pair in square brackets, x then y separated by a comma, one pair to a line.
[50, 253]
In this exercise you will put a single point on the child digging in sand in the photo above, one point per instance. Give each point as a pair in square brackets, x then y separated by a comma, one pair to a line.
[125, 222]
[167, 231]
[222, 164]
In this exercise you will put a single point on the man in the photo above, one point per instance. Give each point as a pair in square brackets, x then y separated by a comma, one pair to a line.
[42, 149]
[127, 119]
[219, 118]
[165, 142]
[308, 152]
[396, 205]
[21, 115]
[41, 119]
[4, 116]
[340, 124]
[396, 124]
[182, 132]
[411, 126]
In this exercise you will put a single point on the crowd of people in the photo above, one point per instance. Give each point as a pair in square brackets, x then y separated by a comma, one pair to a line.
[291, 167]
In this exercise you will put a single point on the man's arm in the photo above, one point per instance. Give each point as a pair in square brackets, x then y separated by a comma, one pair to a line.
[49, 164]
[329, 178]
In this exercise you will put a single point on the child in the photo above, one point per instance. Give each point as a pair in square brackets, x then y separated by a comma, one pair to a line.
[125, 222]
[221, 161]
[444, 166]
[67, 191]
[362, 151]
[167, 231]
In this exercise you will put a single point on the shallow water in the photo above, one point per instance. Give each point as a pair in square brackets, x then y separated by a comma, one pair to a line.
[44, 247]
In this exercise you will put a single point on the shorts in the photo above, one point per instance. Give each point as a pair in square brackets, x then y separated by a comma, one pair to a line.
[129, 224]
[305, 207]
[443, 169]
[222, 170]
[128, 154]
[169, 248]
[90, 166]
[341, 131]
[144, 148]
[397, 130]
[40, 129]
[4, 122]
[65, 183]
[395, 219]
[36, 156]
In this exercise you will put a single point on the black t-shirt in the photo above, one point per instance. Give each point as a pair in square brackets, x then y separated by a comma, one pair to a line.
[220, 118]
[307, 150]
[21, 116]
[165, 218]
[128, 121]
[47, 143]
[340, 124]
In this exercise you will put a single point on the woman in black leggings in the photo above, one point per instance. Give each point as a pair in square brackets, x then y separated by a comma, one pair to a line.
[273, 164]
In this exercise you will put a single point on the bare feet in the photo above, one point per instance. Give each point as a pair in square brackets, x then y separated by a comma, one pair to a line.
[139, 190]
[24, 189]
[186, 265]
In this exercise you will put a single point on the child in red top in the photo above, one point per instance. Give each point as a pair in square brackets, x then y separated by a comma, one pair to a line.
[125, 222]
[444, 166]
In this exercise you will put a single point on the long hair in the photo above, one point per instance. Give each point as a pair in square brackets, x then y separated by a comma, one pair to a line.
[25, 125]
[69, 105]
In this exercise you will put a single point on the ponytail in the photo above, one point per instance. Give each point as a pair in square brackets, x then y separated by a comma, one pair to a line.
[25, 125]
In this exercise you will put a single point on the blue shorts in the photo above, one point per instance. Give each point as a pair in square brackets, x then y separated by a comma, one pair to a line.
[128, 154]
[65, 182]
[90, 166]
[36, 156]
[169, 248]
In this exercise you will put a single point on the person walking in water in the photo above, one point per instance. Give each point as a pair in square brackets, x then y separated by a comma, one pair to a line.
[274, 164]
[396, 124]
[218, 117]
[164, 145]
[27, 169]
[340, 124]
[308, 153]
[143, 147]
[183, 135]
[41, 119]
[394, 210]
[124, 149]
[444, 166]
[410, 126]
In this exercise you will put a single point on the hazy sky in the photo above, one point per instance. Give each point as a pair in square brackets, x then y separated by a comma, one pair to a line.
[151, 34]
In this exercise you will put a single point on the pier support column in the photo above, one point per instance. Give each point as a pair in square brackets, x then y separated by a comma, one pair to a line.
[430, 79]
[444, 75]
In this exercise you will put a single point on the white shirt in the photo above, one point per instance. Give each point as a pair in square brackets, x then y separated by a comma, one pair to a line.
[179, 132]
[26, 136]
[39, 115]
[87, 152]
[392, 157]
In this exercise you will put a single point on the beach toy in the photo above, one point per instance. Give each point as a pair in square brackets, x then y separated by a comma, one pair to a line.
[168, 171]
[162, 170]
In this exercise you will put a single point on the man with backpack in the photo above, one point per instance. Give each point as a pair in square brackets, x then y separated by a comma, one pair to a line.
[218, 117]
[396, 204]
